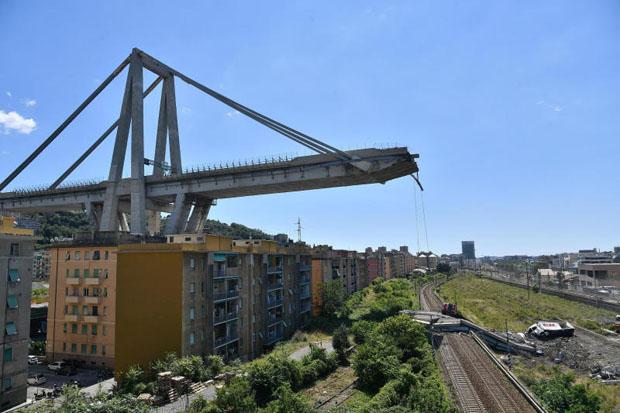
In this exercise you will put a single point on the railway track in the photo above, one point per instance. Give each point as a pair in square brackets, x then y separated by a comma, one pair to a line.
[478, 383]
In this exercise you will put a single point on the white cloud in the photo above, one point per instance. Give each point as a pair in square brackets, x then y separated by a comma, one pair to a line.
[9, 94]
[30, 102]
[13, 121]
[554, 107]
[186, 110]
[233, 113]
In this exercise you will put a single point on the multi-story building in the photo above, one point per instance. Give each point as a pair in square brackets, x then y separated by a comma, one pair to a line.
[16, 249]
[82, 300]
[468, 250]
[410, 259]
[348, 268]
[41, 265]
[204, 294]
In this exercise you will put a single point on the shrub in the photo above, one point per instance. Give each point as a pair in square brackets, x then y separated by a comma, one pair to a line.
[267, 375]
[286, 402]
[376, 362]
[340, 341]
[560, 394]
[361, 330]
[236, 397]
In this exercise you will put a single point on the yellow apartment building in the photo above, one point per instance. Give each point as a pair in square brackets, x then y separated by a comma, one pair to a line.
[82, 303]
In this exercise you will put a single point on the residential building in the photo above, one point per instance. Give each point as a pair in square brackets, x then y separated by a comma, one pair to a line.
[82, 299]
[206, 294]
[41, 265]
[410, 259]
[16, 250]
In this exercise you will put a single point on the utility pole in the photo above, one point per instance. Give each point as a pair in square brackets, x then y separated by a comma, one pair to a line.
[527, 277]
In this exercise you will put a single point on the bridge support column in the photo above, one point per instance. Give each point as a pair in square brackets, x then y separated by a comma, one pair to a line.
[198, 217]
[178, 218]
[153, 222]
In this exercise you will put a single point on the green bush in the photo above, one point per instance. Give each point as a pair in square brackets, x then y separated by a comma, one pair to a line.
[267, 375]
[361, 330]
[560, 394]
[375, 363]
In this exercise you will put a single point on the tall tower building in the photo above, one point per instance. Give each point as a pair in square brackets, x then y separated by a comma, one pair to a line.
[468, 250]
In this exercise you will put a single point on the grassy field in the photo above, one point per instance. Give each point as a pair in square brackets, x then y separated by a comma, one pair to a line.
[491, 304]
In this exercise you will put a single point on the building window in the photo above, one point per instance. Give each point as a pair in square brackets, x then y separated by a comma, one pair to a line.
[7, 383]
[64, 328]
[192, 263]
[11, 328]
[93, 349]
[74, 309]
[106, 255]
[73, 348]
[105, 274]
[192, 339]
[8, 354]
[74, 328]
[86, 255]
[232, 261]
[84, 328]
[104, 330]
[94, 329]
[85, 309]
[67, 256]
[14, 250]
[67, 273]
[14, 275]
[64, 347]
[76, 273]
[96, 273]
[84, 348]
[96, 255]
[192, 313]
[105, 310]
[105, 292]
[103, 349]
[77, 256]
[192, 287]
[11, 301]
[86, 273]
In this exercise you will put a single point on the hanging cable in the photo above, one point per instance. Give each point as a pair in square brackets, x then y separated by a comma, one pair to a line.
[424, 219]
[417, 226]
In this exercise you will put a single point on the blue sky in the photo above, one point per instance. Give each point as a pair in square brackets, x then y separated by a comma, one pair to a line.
[512, 106]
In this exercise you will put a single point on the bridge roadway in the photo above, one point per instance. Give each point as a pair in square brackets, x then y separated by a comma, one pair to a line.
[297, 174]
[477, 384]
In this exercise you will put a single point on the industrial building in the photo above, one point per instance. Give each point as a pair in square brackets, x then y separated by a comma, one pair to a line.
[468, 249]
[16, 250]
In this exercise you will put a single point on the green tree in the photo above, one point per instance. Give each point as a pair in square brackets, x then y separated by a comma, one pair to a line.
[340, 341]
[376, 362]
[236, 397]
[406, 334]
[332, 296]
[361, 330]
[560, 394]
[131, 380]
[286, 401]
[267, 375]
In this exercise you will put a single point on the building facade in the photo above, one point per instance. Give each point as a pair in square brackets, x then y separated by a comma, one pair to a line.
[203, 294]
[468, 250]
[82, 301]
[16, 251]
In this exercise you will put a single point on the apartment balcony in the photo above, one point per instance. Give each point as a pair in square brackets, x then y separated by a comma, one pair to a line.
[72, 281]
[274, 319]
[305, 308]
[225, 317]
[71, 317]
[274, 302]
[92, 300]
[275, 285]
[305, 267]
[219, 296]
[221, 341]
[304, 294]
[305, 279]
[225, 273]
[92, 281]
[91, 318]
[274, 336]
[276, 269]
[72, 299]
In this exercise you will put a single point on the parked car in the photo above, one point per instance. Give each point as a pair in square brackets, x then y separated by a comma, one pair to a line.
[36, 380]
[56, 366]
[33, 360]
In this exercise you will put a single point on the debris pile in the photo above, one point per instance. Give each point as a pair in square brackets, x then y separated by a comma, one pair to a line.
[609, 374]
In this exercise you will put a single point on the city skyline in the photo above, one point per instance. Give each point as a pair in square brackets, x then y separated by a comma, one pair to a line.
[517, 149]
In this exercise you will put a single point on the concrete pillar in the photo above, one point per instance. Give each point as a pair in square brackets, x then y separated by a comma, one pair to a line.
[138, 189]
[198, 217]
[178, 218]
[153, 222]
